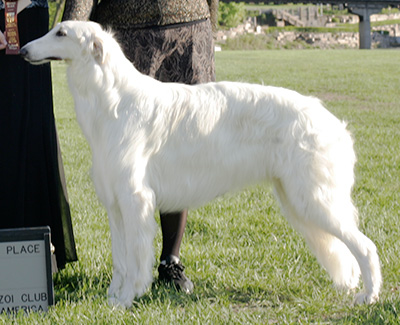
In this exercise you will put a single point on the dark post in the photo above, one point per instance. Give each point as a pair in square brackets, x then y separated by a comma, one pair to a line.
[364, 11]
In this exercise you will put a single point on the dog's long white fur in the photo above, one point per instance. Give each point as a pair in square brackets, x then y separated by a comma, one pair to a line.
[172, 146]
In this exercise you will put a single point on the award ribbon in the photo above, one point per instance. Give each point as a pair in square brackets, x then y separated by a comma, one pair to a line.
[12, 37]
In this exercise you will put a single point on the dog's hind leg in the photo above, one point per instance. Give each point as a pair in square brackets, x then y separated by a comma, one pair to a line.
[139, 230]
[331, 253]
[339, 246]
[365, 252]
[334, 256]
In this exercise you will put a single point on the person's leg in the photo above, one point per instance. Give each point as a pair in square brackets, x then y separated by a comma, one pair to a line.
[171, 269]
[190, 61]
[173, 227]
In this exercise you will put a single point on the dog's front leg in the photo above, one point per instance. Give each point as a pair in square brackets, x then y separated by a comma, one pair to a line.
[118, 252]
[139, 230]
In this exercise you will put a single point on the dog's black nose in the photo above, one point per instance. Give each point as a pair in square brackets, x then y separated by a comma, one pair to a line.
[23, 52]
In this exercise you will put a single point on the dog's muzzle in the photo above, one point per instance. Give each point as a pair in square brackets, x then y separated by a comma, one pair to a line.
[25, 54]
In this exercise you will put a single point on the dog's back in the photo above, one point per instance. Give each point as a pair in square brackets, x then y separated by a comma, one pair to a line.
[220, 128]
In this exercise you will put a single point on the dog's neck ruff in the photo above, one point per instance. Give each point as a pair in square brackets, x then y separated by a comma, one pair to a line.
[109, 71]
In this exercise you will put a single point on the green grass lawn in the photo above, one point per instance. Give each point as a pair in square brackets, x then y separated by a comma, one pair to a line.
[248, 265]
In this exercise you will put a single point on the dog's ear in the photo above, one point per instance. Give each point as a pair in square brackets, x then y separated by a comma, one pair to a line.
[97, 50]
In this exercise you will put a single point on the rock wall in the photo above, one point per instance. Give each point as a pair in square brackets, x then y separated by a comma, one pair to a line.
[380, 39]
[387, 36]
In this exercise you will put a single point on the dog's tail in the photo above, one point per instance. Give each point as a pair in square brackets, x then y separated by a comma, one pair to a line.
[331, 252]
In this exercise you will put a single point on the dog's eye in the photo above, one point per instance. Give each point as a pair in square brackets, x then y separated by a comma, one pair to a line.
[61, 33]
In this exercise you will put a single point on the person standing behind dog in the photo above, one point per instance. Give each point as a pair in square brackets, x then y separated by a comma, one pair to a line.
[171, 41]
[32, 186]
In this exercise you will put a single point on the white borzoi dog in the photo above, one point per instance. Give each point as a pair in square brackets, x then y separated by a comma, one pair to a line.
[172, 146]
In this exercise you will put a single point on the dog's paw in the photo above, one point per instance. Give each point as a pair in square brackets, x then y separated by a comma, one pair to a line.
[365, 298]
[115, 286]
[126, 295]
[119, 302]
[114, 302]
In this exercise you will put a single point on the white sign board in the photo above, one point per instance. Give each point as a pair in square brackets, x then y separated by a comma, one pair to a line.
[25, 270]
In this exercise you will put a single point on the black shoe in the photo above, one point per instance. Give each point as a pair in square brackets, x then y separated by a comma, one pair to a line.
[171, 271]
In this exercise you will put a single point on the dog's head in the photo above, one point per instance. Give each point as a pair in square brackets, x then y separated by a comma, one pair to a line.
[69, 40]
